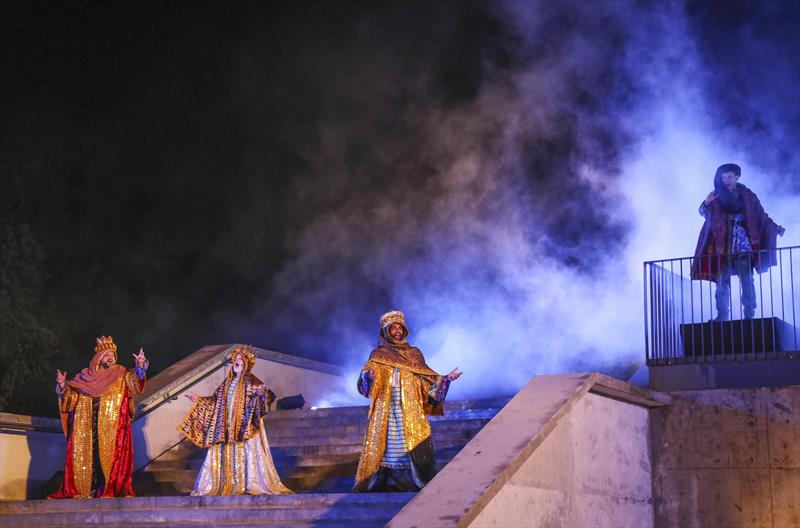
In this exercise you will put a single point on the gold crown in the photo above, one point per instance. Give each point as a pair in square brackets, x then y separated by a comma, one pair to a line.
[247, 353]
[105, 343]
[395, 316]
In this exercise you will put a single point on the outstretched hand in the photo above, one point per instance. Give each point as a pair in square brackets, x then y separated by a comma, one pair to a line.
[454, 374]
[61, 378]
[140, 358]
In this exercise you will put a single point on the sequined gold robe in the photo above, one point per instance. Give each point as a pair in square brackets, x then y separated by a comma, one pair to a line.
[417, 381]
[102, 424]
[230, 424]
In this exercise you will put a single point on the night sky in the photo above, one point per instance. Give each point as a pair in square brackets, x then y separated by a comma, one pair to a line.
[281, 173]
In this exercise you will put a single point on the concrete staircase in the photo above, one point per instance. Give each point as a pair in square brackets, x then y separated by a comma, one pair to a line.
[316, 453]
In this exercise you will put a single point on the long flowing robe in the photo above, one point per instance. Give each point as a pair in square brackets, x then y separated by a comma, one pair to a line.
[710, 255]
[422, 393]
[230, 424]
[98, 431]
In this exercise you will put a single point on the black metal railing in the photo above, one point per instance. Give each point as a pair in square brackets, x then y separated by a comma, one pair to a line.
[722, 307]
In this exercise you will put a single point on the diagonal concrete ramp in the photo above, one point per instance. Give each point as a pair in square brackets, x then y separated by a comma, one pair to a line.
[476, 475]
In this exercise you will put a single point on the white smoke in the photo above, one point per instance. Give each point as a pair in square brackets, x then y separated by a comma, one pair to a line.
[447, 221]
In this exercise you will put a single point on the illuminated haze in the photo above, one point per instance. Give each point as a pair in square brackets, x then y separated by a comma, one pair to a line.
[507, 210]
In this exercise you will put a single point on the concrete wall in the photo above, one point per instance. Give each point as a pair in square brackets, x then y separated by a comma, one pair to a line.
[728, 457]
[29, 455]
[592, 470]
[568, 450]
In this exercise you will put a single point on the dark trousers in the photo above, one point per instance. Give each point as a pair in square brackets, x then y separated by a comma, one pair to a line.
[742, 266]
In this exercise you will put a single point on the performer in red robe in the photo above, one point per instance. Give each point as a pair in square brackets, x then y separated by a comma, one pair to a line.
[96, 413]
[737, 237]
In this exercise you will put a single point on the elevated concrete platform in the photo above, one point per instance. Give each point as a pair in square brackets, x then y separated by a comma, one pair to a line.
[734, 372]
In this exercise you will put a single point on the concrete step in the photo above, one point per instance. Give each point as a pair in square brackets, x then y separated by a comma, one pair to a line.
[184, 484]
[327, 478]
[327, 470]
[362, 410]
[336, 447]
[287, 431]
[286, 463]
[348, 509]
[458, 433]
[236, 501]
[195, 462]
[309, 419]
[317, 450]
[442, 437]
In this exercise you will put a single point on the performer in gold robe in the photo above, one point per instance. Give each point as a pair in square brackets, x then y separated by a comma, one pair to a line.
[230, 424]
[96, 413]
[398, 454]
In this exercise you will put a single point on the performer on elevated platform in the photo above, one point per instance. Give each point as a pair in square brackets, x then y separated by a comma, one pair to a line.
[398, 454]
[737, 237]
[230, 424]
[96, 412]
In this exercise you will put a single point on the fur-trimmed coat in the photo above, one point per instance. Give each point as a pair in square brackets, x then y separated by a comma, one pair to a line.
[712, 244]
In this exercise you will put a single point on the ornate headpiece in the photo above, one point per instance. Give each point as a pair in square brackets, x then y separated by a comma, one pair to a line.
[105, 343]
[389, 318]
[247, 353]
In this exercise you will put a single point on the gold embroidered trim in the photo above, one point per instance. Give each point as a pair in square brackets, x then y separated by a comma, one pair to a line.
[422, 370]
[108, 412]
[82, 446]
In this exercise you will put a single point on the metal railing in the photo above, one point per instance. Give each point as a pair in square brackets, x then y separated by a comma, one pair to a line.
[701, 310]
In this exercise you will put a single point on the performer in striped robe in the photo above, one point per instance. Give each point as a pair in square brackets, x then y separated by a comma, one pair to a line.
[398, 454]
[230, 424]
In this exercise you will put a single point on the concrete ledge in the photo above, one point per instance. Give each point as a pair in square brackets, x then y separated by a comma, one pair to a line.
[620, 390]
[20, 422]
[782, 372]
[459, 493]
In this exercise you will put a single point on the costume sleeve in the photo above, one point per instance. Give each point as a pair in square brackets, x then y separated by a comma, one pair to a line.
[141, 372]
[438, 391]
[763, 230]
[434, 391]
[703, 210]
[364, 383]
[197, 423]
[133, 380]
[67, 399]
[261, 403]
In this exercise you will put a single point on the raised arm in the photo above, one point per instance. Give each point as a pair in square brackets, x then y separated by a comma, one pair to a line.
[438, 390]
[142, 363]
[704, 205]
[67, 398]
[136, 379]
